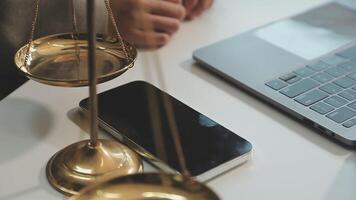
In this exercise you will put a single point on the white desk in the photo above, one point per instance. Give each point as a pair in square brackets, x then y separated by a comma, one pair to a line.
[289, 162]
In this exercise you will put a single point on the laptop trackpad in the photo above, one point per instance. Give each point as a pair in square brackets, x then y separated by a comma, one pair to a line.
[313, 33]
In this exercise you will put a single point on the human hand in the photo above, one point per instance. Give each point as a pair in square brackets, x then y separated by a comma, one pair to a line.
[148, 23]
[195, 8]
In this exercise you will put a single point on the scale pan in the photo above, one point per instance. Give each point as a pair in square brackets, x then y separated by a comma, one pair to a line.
[61, 59]
[147, 186]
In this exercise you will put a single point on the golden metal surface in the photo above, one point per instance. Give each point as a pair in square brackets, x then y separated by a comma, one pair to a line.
[55, 60]
[81, 164]
[147, 186]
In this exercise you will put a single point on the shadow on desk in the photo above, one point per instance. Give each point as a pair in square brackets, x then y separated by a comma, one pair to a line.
[23, 123]
[322, 141]
[82, 121]
[43, 186]
[344, 183]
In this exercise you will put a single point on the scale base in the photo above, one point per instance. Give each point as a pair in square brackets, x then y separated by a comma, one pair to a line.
[81, 164]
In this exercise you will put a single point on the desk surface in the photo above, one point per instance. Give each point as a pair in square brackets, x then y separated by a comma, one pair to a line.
[289, 161]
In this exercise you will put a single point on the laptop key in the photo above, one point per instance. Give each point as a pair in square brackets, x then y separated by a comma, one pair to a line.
[318, 66]
[352, 105]
[341, 115]
[299, 88]
[334, 60]
[336, 101]
[336, 71]
[276, 84]
[311, 97]
[348, 66]
[293, 80]
[344, 82]
[290, 78]
[304, 72]
[353, 76]
[350, 123]
[322, 108]
[322, 77]
[331, 88]
[348, 94]
[287, 76]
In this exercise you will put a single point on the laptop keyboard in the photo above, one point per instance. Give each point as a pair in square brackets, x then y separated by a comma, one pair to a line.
[328, 87]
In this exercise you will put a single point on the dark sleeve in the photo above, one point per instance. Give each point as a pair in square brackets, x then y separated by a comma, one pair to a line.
[13, 32]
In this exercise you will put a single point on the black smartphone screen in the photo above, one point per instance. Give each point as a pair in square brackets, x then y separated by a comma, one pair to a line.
[137, 111]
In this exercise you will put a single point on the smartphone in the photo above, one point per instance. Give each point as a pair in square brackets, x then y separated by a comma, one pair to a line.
[142, 116]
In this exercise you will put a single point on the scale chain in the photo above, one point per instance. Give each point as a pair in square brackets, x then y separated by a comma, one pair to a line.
[75, 36]
[117, 32]
[74, 20]
[33, 27]
[167, 105]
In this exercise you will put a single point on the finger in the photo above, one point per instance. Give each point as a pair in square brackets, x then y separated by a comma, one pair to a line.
[166, 8]
[207, 4]
[160, 23]
[199, 8]
[190, 4]
[149, 22]
[175, 1]
[165, 24]
[147, 39]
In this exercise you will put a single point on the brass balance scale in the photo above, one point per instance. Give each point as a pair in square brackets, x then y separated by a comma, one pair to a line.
[97, 168]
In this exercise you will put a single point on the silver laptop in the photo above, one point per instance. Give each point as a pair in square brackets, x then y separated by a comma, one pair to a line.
[304, 65]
